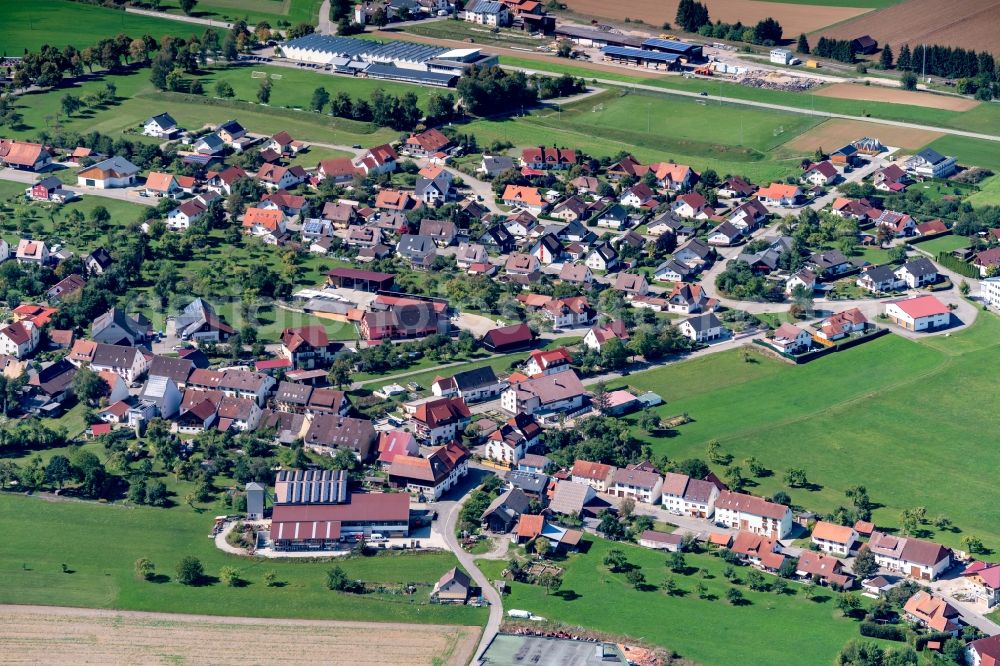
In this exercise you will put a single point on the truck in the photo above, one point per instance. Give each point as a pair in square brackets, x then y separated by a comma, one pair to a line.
[522, 614]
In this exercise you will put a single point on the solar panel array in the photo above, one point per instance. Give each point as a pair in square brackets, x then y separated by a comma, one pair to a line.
[639, 54]
[366, 49]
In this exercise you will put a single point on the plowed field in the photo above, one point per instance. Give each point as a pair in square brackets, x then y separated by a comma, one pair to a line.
[970, 24]
[43, 635]
[793, 18]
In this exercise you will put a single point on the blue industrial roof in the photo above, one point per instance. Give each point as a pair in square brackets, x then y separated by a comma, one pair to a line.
[640, 54]
[681, 47]
[349, 47]
[380, 70]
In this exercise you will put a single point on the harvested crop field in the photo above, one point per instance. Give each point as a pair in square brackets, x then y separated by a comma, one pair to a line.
[793, 18]
[970, 24]
[42, 634]
[836, 132]
[896, 96]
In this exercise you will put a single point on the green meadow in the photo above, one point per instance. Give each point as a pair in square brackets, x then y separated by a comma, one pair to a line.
[911, 421]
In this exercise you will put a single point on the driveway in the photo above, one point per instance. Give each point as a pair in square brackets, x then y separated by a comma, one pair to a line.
[122, 194]
[955, 591]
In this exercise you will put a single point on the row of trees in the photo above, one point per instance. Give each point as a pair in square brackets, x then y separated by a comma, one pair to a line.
[835, 49]
[766, 32]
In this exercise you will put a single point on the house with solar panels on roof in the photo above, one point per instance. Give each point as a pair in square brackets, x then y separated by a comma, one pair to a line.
[422, 64]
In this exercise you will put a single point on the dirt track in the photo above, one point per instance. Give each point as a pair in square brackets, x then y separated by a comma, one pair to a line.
[970, 24]
[895, 96]
[834, 133]
[793, 18]
[53, 635]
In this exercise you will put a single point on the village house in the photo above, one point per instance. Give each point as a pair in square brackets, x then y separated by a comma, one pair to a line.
[453, 587]
[675, 177]
[834, 539]
[602, 257]
[128, 362]
[115, 327]
[639, 195]
[821, 174]
[695, 254]
[69, 285]
[522, 268]
[308, 346]
[758, 550]
[395, 443]
[984, 577]
[50, 188]
[933, 612]
[725, 235]
[487, 12]
[917, 273]
[661, 541]
[509, 443]
[778, 194]
[673, 271]
[879, 279]
[377, 160]
[633, 284]
[419, 251]
[186, 214]
[283, 144]
[328, 432]
[433, 476]
[753, 514]
[433, 191]
[689, 299]
[859, 210]
[24, 156]
[548, 158]
[804, 278]
[426, 143]
[596, 475]
[19, 339]
[508, 338]
[107, 174]
[791, 339]
[569, 312]
[439, 420]
[599, 335]
[571, 209]
[899, 225]
[265, 223]
[561, 392]
[526, 198]
[531, 527]
[841, 324]
[503, 512]
[829, 570]
[640, 485]
[492, 166]
[547, 362]
[735, 187]
[921, 313]
[288, 203]
[890, 179]
[222, 182]
[915, 558]
[233, 383]
[684, 496]
[579, 274]
[829, 264]
[692, 206]
[983, 652]
[702, 328]
[473, 385]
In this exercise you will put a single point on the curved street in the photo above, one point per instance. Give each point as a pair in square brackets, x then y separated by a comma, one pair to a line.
[447, 524]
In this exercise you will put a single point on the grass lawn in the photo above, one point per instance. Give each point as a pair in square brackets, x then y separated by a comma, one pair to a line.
[593, 597]
[254, 11]
[947, 243]
[138, 100]
[935, 190]
[988, 194]
[893, 415]
[61, 22]
[729, 139]
[970, 152]
[41, 536]
[460, 30]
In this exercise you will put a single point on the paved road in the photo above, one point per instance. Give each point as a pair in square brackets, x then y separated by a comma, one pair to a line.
[121, 194]
[323, 23]
[952, 584]
[181, 18]
[448, 519]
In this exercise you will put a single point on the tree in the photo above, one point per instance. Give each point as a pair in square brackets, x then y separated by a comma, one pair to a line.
[781, 497]
[670, 587]
[756, 581]
[336, 579]
[795, 477]
[187, 6]
[270, 579]
[615, 560]
[320, 99]
[904, 61]
[70, 104]
[716, 454]
[223, 89]
[849, 603]
[909, 81]
[885, 59]
[88, 386]
[542, 547]
[144, 568]
[627, 508]
[865, 565]
[610, 526]
[803, 44]
[550, 581]
[230, 576]
[264, 91]
[734, 478]
[636, 578]
[973, 544]
[676, 561]
[734, 596]
[190, 571]
[58, 471]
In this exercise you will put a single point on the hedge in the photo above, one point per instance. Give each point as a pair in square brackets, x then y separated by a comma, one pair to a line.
[922, 641]
[887, 632]
[950, 262]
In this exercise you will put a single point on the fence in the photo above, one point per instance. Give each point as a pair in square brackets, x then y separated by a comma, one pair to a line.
[819, 353]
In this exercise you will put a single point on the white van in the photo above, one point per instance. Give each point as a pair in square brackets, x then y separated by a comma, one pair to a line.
[376, 537]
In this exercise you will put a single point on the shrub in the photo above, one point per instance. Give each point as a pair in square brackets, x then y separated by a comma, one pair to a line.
[887, 632]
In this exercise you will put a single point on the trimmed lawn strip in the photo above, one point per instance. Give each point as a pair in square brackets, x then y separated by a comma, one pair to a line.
[988, 194]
